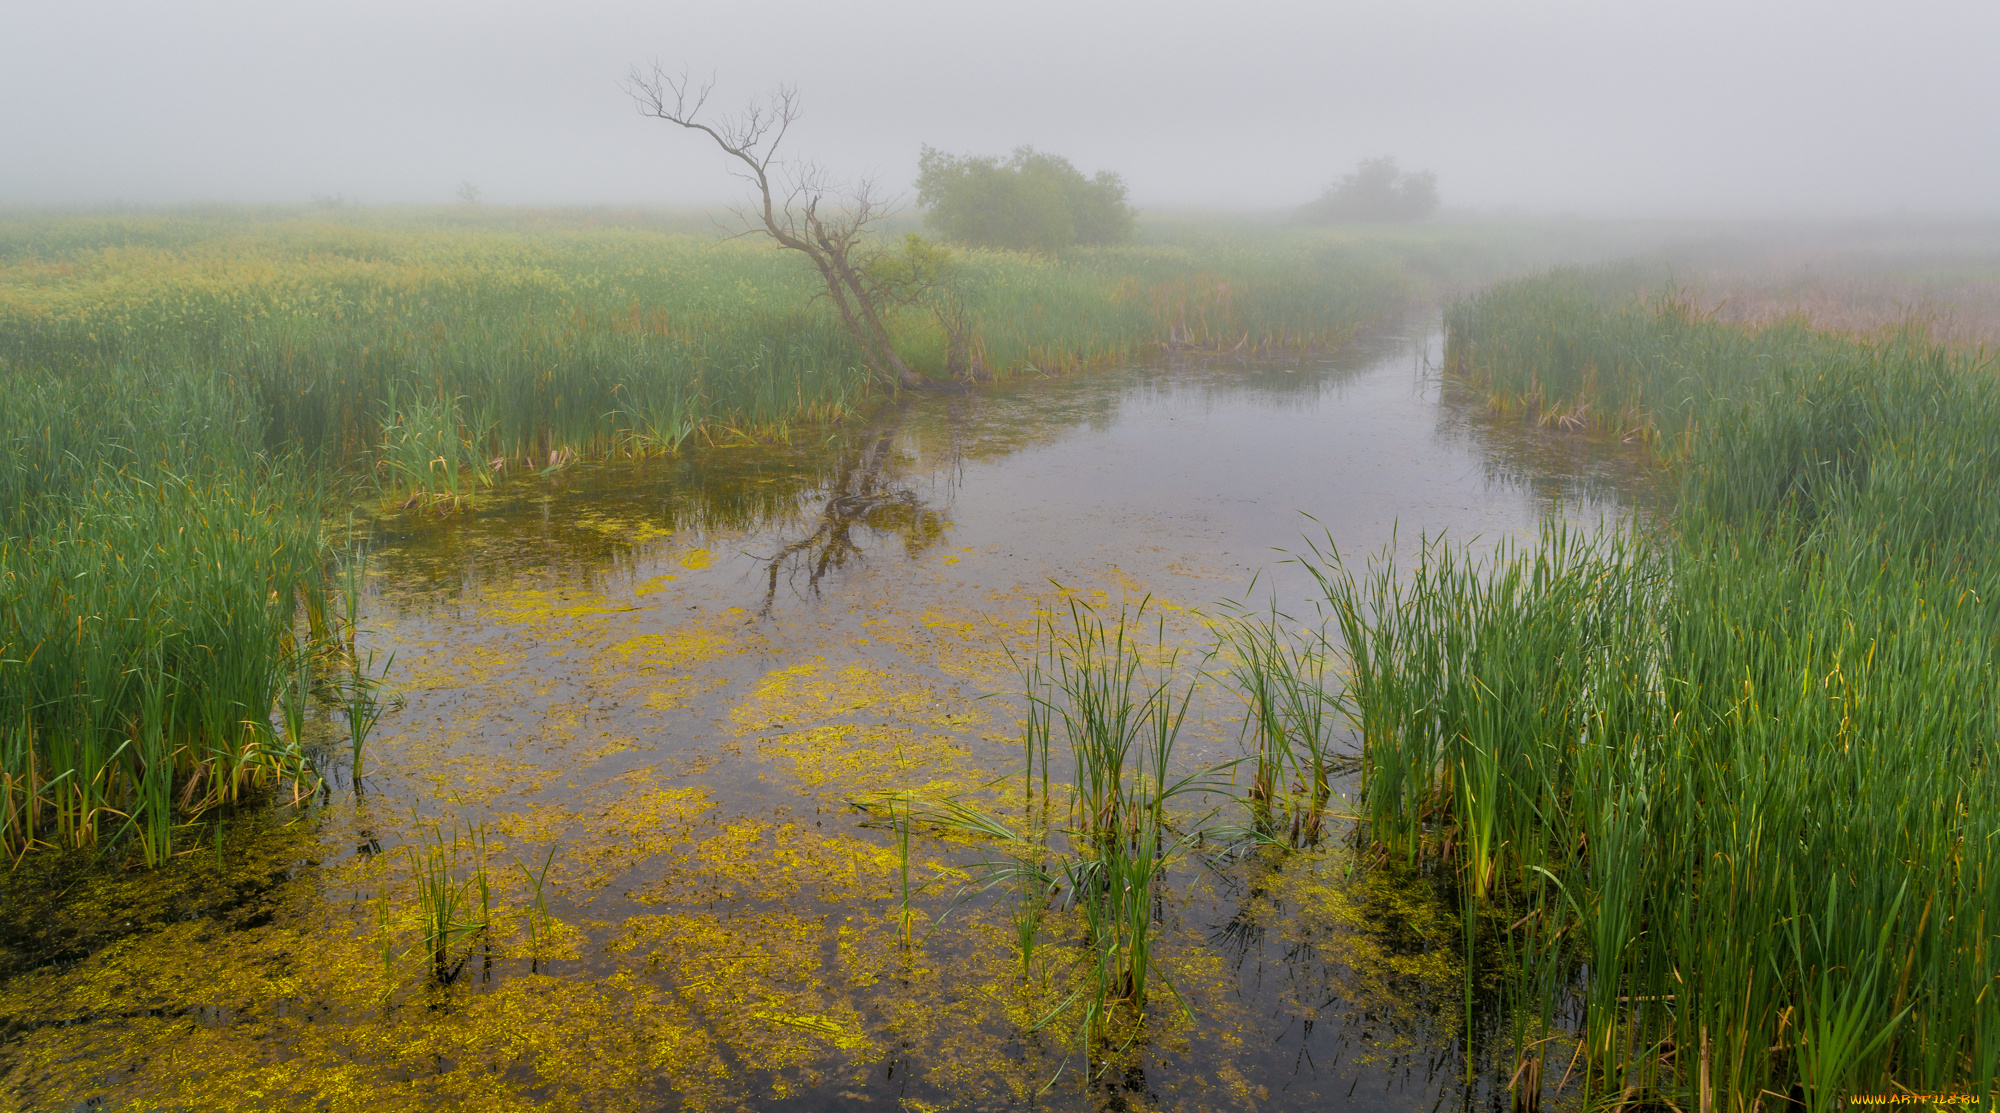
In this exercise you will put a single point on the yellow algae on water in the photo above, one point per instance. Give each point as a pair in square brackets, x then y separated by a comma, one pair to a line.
[817, 1025]
[605, 830]
[867, 757]
[318, 1008]
[582, 609]
[696, 559]
[630, 806]
[657, 583]
[1135, 589]
[632, 530]
[532, 606]
[787, 862]
[675, 693]
[760, 981]
[963, 644]
[815, 692]
[278, 1018]
[770, 961]
[1387, 937]
[677, 648]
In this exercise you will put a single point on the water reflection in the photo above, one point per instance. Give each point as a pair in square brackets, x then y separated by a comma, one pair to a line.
[867, 492]
[676, 673]
[1196, 467]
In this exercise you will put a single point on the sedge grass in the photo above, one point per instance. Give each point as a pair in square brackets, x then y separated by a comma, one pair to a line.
[454, 893]
[1741, 762]
[1120, 702]
[155, 564]
[1283, 677]
[538, 907]
[362, 706]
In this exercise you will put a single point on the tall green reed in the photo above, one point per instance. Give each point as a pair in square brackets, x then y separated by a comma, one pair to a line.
[362, 706]
[1102, 846]
[153, 570]
[1740, 759]
[1282, 674]
[454, 893]
[1121, 707]
[428, 455]
[599, 341]
[538, 917]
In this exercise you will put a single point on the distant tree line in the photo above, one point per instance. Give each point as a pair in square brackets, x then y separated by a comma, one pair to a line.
[1376, 190]
[1029, 201]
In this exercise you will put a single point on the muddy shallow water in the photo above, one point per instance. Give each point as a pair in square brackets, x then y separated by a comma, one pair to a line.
[671, 681]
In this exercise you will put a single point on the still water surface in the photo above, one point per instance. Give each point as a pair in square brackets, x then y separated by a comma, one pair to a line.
[670, 681]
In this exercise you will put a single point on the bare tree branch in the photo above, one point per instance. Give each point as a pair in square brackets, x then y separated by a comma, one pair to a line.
[797, 216]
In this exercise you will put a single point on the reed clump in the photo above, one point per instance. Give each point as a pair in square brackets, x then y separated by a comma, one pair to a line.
[1120, 706]
[1099, 848]
[439, 899]
[161, 580]
[1721, 791]
[1291, 728]
[454, 894]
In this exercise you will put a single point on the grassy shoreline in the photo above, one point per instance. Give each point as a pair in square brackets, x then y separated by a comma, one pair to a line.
[1721, 797]
[601, 340]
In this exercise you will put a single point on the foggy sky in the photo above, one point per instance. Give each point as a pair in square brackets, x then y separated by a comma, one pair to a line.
[1670, 107]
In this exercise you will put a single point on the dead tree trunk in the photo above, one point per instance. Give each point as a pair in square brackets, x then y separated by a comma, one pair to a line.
[836, 242]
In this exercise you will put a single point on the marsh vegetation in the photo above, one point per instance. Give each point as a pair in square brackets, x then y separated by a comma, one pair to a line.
[680, 712]
[1739, 766]
[257, 376]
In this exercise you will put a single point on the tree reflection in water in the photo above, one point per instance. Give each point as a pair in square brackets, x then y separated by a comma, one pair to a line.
[867, 491]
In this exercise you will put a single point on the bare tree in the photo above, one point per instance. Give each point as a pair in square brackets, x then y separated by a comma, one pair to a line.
[801, 213]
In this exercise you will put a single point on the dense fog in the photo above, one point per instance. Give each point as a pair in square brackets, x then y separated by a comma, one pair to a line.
[1704, 108]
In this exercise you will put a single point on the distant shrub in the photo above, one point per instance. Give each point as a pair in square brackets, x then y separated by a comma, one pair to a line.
[1376, 190]
[1029, 201]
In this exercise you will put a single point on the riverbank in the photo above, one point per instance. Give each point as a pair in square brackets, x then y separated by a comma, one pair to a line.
[1718, 794]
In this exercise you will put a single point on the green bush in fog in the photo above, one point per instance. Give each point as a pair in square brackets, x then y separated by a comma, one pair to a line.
[1375, 190]
[1029, 201]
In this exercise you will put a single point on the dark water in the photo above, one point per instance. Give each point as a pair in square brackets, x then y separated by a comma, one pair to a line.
[673, 680]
